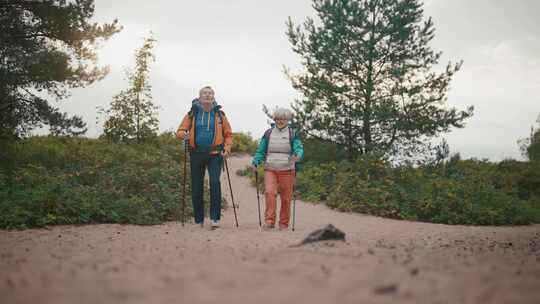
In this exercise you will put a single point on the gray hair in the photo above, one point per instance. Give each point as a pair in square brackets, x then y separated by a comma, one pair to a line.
[207, 88]
[282, 113]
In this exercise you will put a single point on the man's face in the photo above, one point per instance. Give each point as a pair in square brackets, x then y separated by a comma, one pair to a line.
[206, 97]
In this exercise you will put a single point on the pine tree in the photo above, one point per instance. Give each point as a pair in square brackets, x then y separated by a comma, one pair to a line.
[133, 116]
[46, 48]
[530, 146]
[368, 83]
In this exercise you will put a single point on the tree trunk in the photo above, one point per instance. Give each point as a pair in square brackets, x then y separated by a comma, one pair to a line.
[366, 119]
[137, 132]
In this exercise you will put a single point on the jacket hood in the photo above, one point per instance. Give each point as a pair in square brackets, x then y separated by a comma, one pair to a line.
[196, 103]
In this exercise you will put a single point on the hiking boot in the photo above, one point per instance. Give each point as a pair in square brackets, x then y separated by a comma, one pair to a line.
[267, 226]
[215, 225]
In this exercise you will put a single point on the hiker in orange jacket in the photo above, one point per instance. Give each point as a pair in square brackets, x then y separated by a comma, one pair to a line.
[209, 136]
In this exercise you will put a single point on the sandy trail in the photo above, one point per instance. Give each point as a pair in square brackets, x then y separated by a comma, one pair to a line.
[426, 263]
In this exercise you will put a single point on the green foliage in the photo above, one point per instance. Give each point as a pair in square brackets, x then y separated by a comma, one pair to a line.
[530, 146]
[368, 83]
[47, 180]
[533, 150]
[46, 48]
[321, 151]
[469, 192]
[313, 182]
[247, 171]
[518, 178]
[243, 143]
[132, 116]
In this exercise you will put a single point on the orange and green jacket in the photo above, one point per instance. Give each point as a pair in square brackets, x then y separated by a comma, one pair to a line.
[223, 132]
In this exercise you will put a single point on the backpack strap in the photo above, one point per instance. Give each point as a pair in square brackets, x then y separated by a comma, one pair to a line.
[291, 137]
[267, 133]
[266, 136]
[192, 114]
[220, 115]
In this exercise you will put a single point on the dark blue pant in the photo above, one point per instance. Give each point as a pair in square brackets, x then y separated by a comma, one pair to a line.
[199, 161]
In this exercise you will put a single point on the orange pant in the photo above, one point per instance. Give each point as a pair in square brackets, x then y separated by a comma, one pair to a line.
[282, 182]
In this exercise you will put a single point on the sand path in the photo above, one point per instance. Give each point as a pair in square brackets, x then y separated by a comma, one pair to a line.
[382, 261]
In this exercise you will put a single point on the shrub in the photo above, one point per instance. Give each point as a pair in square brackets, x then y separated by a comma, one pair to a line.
[321, 151]
[529, 181]
[316, 182]
[243, 143]
[50, 180]
[459, 192]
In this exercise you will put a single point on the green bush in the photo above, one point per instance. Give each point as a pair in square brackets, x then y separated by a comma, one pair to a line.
[247, 171]
[469, 192]
[321, 151]
[243, 143]
[51, 180]
[316, 182]
[529, 181]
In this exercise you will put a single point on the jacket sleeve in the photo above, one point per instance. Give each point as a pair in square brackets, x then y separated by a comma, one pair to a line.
[183, 128]
[260, 154]
[298, 148]
[228, 134]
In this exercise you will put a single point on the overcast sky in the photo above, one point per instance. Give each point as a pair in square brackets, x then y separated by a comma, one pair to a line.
[239, 47]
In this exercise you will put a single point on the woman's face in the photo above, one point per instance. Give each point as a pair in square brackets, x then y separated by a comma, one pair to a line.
[206, 97]
[281, 122]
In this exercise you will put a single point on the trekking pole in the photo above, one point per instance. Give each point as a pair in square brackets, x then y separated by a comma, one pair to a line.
[294, 202]
[185, 179]
[230, 187]
[258, 198]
